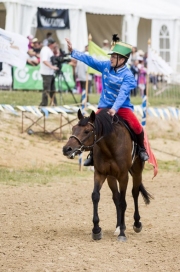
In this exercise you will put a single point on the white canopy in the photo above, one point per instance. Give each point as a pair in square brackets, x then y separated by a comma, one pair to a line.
[20, 13]
[159, 9]
[149, 9]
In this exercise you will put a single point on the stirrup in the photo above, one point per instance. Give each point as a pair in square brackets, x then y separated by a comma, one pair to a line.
[143, 154]
[89, 160]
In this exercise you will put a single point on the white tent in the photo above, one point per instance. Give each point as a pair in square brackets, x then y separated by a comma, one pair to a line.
[20, 14]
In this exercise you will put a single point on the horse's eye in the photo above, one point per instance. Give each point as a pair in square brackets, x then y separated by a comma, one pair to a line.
[86, 131]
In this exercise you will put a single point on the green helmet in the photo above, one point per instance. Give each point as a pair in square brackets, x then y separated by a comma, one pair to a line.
[121, 48]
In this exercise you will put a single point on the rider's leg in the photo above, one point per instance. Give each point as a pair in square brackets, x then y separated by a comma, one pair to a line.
[142, 150]
[89, 161]
[133, 122]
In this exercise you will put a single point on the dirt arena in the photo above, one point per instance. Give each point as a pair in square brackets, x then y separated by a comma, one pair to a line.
[47, 227]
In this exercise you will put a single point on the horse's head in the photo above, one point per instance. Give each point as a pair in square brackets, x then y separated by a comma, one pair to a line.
[83, 136]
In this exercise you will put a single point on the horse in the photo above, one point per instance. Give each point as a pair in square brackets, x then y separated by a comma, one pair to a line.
[112, 146]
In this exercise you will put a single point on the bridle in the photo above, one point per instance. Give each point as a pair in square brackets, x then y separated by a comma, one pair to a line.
[87, 147]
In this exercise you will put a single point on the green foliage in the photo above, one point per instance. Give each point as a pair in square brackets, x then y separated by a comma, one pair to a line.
[33, 98]
[171, 97]
[68, 172]
[65, 172]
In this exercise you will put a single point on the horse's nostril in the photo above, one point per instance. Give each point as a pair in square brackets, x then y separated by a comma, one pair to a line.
[69, 149]
[66, 149]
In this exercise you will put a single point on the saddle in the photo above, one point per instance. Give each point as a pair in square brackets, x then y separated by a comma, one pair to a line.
[118, 119]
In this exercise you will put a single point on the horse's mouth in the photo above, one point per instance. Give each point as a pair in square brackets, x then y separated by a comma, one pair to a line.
[71, 155]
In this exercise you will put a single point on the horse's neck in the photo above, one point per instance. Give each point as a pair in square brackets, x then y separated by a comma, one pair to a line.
[117, 139]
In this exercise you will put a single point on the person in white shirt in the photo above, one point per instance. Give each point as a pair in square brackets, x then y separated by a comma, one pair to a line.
[47, 70]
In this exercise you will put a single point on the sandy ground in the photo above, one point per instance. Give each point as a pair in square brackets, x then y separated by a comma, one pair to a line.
[47, 228]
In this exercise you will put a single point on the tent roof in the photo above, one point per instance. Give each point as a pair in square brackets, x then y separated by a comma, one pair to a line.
[149, 9]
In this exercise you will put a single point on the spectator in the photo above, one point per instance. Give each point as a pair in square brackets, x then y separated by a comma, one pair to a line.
[36, 45]
[34, 53]
[30, 38]
[47, 70]
[106, 46]
[134, 56]
[32, 58]
[45, 41]
[82, 74]
[142, 77]
[134, 69]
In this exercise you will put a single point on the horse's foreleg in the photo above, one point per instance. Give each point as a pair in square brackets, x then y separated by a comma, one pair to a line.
[112, 182]
[98, 182]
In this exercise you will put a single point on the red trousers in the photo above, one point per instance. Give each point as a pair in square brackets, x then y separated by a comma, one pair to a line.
[131, 118]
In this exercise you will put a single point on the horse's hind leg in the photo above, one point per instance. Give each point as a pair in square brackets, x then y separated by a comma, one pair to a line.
[123, 182]
[136, 172]
[98, 182]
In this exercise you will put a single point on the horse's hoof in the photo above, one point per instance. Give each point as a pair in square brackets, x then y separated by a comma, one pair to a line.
[97, 236]
[137, 230]
[117, 231]
[122, 238]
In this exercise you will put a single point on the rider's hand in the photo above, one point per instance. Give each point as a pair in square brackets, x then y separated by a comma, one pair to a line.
[111, 112]
[69, 45]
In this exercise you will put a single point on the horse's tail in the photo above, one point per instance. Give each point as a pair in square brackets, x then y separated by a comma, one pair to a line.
[146, 196]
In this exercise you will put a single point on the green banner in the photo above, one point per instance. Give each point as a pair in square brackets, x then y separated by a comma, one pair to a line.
[29, 78]
[98, 53]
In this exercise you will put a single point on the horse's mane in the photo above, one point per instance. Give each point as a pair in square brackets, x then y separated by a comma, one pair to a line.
[103, 123]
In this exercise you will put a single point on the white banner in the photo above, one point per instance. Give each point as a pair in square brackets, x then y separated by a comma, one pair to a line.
[13, 48]
[156, 65]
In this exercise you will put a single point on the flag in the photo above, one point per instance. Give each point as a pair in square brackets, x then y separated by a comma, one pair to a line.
[152, 159]
[157, 65]
[98, 53]
[13, 48]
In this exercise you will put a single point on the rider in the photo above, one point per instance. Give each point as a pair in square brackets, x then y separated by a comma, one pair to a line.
[117, 81]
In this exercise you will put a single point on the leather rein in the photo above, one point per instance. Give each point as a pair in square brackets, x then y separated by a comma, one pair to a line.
[87, 147]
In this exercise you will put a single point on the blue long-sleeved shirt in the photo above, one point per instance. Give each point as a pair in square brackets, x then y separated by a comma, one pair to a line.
[117, 85]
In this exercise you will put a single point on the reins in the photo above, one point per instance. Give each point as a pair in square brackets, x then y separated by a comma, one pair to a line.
[87, 147]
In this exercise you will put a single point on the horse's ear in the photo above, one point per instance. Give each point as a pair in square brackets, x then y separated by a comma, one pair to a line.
[80, 116]
[92, 117]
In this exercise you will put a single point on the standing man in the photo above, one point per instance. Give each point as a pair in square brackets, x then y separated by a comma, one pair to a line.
[47, 72]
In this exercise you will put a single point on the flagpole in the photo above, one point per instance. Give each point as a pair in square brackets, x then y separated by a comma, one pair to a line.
[145, 97]
[147, 75]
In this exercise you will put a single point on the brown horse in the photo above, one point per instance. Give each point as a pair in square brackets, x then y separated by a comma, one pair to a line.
[112, 147]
